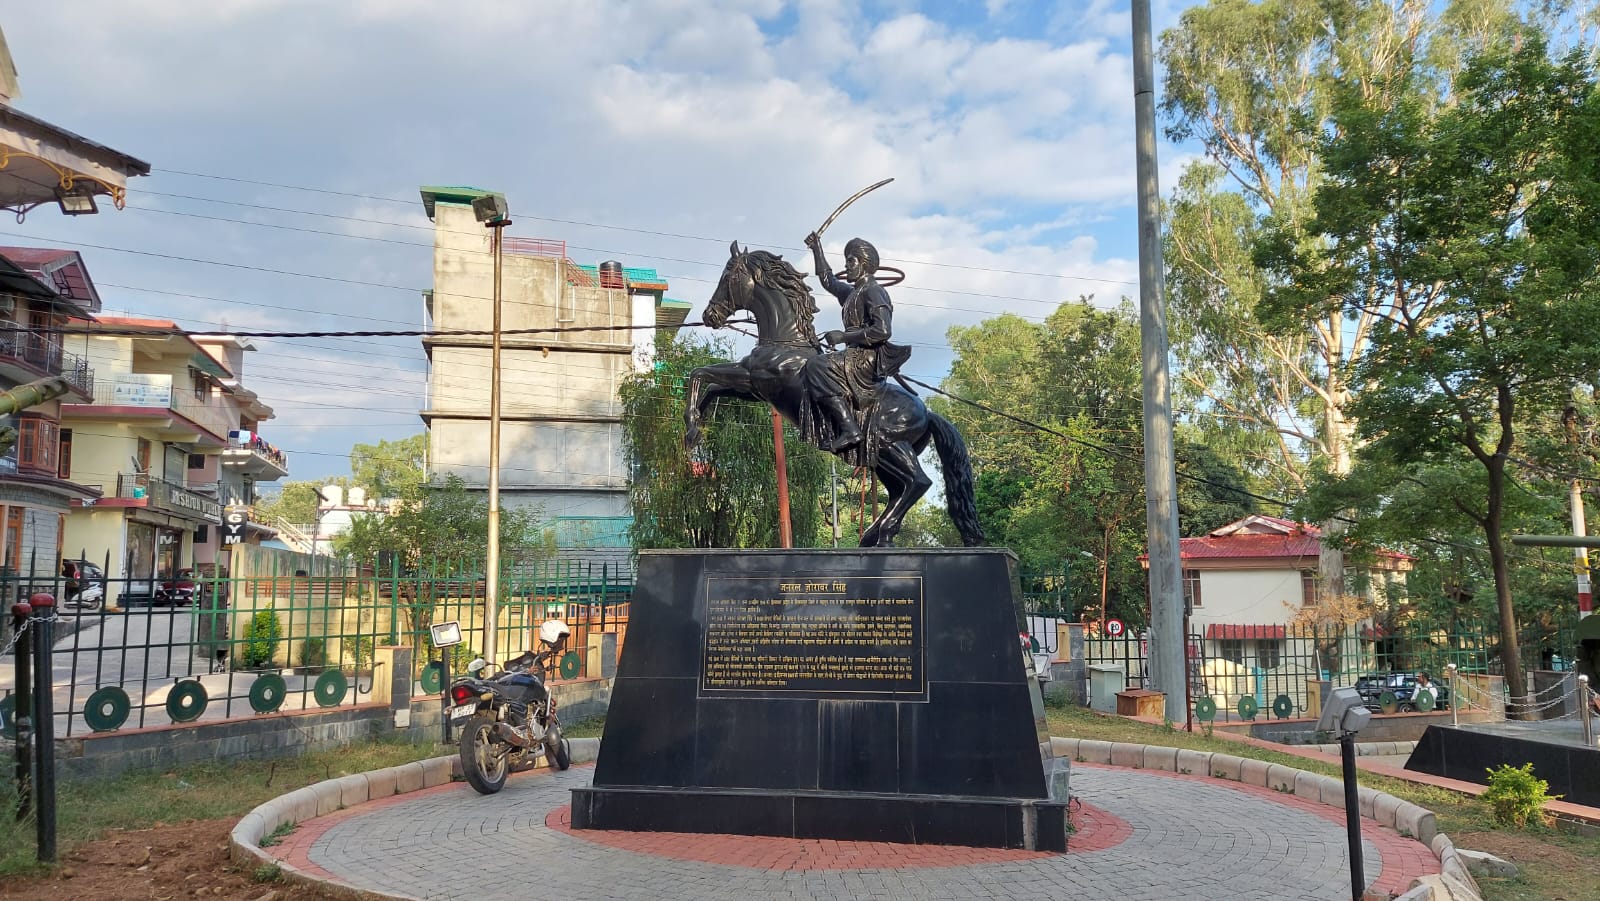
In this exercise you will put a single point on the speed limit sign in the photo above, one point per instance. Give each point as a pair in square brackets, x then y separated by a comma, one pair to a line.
[1115, 628]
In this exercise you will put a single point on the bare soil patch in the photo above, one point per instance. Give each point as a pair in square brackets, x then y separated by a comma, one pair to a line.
[162, 863]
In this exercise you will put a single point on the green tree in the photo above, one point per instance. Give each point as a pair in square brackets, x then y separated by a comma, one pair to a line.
[726, 494]
[295, 503]
[446, 524]
[390, 469]
[1465, 231]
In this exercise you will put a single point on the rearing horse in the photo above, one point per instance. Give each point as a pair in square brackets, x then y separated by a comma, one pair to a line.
[898, 428]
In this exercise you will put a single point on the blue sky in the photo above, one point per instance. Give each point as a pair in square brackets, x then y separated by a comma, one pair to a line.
[650, 131]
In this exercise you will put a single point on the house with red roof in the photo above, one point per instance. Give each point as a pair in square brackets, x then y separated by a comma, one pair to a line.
[1247, 581]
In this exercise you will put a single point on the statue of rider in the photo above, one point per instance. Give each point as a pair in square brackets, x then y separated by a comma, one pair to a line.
[839, 382]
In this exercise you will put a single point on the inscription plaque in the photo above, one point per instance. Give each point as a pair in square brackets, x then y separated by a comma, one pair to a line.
[851, 637]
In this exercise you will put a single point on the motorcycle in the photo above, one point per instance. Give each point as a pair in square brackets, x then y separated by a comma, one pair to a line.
[508, 722]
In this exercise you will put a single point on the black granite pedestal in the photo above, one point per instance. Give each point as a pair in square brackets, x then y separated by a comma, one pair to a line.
[865, 694]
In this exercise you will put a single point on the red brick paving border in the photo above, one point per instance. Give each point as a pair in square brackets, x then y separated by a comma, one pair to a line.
[1404, 859]
[1097, 830]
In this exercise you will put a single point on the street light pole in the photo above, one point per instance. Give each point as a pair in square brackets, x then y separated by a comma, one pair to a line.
[492, 212]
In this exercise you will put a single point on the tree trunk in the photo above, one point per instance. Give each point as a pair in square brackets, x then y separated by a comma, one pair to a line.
[1510, 650]
[1339, 435]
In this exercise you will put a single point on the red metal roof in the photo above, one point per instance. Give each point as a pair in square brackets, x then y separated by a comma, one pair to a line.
[1218, 546]
[63, 270]
[1227, 632]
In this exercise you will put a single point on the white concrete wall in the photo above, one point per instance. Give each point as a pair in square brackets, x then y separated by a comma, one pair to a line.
[562, 464]
[1247, 597]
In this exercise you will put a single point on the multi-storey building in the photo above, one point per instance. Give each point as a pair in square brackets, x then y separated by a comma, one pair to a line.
[44, 166]
[170, 434]
[561, 418]
[39, 292]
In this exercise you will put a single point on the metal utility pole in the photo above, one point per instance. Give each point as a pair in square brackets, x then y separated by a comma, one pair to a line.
[1580, 554]
[785, 529]
[1160, 472]
[492, 211]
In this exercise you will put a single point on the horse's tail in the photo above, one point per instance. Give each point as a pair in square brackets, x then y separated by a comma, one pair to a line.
[958, 492]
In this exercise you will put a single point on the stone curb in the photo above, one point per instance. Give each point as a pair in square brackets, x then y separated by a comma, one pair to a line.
[1371, 748]
[330, 795]
[1408, 819]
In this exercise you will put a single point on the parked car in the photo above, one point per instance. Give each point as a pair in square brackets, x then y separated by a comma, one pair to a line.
[185, 589]
[83, 586]
[1404, 687]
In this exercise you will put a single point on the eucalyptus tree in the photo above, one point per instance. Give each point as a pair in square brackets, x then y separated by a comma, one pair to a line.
[1463, 231]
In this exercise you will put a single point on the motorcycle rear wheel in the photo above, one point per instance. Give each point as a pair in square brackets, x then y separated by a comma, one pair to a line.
[558, 749]
[485, 762]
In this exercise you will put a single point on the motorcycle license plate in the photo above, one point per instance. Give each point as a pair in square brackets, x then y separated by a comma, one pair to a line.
[461, 713]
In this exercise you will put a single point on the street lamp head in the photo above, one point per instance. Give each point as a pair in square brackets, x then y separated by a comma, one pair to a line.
[1344, 711]
[491, 210]
[77, 202]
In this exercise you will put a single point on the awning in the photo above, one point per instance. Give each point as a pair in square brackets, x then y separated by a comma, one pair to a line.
[1227, 632]
[203, 362]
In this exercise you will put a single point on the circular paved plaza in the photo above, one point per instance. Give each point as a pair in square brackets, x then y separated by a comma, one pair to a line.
[1142, 835]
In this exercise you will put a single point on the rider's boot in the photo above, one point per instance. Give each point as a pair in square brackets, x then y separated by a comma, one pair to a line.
[845, 431]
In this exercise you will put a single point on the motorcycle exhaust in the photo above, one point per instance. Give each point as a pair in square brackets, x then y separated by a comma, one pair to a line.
[514, 736]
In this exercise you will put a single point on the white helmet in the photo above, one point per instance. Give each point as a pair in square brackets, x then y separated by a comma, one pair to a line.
[553, 632]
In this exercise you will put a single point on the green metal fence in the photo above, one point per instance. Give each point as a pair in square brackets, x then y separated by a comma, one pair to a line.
[181, 650]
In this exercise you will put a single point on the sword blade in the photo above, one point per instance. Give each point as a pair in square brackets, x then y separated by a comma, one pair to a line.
[853, 198]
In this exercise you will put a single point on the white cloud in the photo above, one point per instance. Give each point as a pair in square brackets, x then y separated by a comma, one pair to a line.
[1010, 144]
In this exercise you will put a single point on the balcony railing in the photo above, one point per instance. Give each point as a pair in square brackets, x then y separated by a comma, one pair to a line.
[44, 353]
[133, 389]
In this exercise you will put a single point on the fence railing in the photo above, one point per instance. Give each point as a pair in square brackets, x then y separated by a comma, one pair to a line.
[44, 353]
[1266, 663]
[216, 648]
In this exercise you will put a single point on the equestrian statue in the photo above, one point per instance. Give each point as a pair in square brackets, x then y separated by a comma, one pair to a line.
[841, 401]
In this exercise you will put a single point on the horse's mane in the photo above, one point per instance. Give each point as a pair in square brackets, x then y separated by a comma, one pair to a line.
[788, 280]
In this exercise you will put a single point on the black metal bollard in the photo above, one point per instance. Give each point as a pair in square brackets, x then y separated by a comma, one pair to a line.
[444, 693]
[44, 725]
[23, 714]
[1352, 815]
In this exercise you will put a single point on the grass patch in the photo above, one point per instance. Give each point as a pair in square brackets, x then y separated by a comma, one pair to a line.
[277, 835]
[86, 810]
[588, 728]
[1553, 864]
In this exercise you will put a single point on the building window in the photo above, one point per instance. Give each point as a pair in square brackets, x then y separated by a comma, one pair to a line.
[1232, 650]
[1269, 653]
[13, 551]
[64, 465]
[1308, 588]
[1191, 588]
[37, 441]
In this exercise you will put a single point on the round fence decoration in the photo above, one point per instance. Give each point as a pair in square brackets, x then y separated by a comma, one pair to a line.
[1388, 702]
[331, 687]
[433, 677]
[1282, 706]
[1248, 707]
[107, 709]
[266, 693]
[8, 715]
[1205, 710]
[1425, 701]
[570, 664]
[186, 701]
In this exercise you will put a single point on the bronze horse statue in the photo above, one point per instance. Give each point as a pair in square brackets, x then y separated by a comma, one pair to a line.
[898, 425]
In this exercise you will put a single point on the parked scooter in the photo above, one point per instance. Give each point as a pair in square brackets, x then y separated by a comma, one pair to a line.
[508, 721]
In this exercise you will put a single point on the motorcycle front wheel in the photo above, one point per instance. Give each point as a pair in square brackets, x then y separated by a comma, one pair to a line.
[485, 762]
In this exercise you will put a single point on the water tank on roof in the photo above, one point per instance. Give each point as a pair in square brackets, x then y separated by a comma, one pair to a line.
[357, 497]
[332, 495]
[611, 275]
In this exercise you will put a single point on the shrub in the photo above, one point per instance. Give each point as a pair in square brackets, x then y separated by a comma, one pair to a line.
[1516, 796]
[313, 652]
[360, 650]
[261, 638]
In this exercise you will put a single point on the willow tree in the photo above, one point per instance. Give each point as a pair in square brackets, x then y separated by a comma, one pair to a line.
[725, 495]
